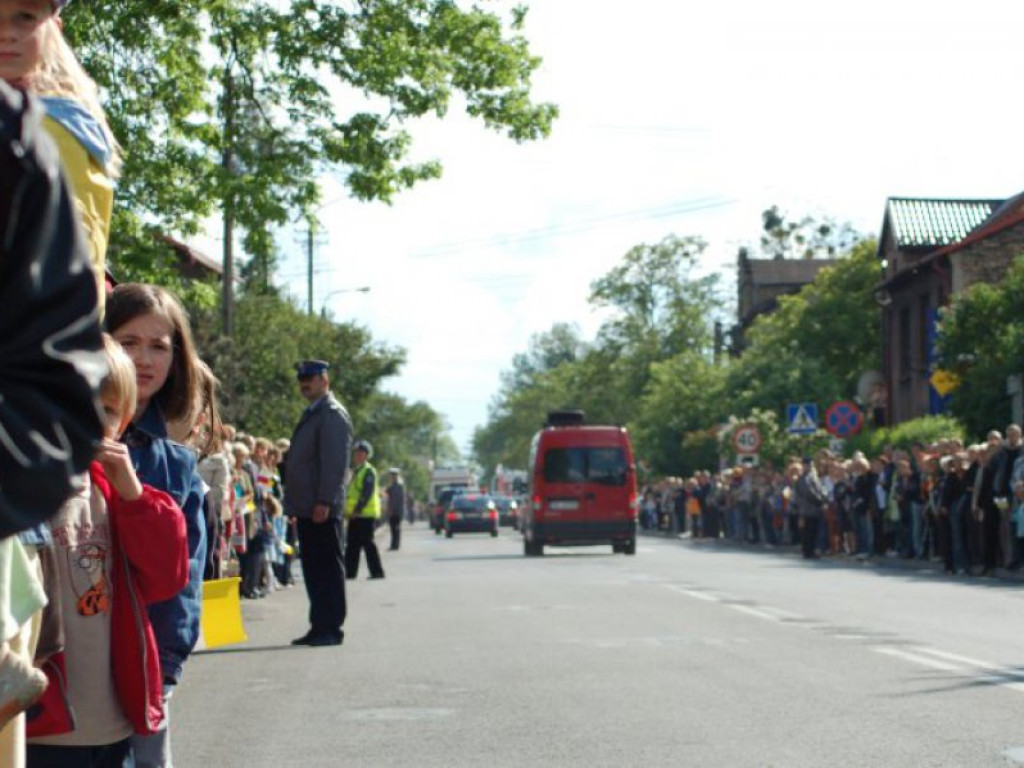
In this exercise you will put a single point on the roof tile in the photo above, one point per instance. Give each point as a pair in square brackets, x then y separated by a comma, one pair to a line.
[933, 223]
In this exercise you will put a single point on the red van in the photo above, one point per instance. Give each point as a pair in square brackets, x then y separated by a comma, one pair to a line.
[582, 486]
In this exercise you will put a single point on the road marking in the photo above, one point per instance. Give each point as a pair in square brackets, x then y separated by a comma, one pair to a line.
[1000, 676]
[966, 666]
[780, 613]
[922, 660]
[693, 593]
[754, 612]
[982, 665]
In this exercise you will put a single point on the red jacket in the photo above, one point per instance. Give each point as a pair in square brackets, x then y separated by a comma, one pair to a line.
[150, 563]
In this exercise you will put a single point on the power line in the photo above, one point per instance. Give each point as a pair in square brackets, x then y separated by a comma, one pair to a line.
[582, 225]
[558, 230]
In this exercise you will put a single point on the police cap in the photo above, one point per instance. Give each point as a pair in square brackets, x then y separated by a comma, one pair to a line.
[363, 445]
[311, 368]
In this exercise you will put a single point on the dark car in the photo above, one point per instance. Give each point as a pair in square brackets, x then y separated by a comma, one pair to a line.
[437, 511]
[471, 513]
[508, 512]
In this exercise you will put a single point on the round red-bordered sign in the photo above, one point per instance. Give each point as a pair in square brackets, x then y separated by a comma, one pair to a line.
[843, 419]
[746, 439]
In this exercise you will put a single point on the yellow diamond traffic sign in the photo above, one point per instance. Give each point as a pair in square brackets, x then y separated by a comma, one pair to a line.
[944, 382]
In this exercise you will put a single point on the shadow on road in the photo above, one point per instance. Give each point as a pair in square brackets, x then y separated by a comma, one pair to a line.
[248, 649]
[902, 568]
[467, 558]
[546, 556]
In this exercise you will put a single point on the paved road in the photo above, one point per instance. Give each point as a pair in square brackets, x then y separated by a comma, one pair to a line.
[469, 654]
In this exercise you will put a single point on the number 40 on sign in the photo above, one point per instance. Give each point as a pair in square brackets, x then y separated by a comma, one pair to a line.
[746, 439]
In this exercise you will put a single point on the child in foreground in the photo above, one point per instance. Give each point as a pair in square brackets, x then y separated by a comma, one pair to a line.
[36, 58]
[121, 546]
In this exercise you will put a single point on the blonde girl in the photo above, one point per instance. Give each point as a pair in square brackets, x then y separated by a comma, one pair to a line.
[35, 56]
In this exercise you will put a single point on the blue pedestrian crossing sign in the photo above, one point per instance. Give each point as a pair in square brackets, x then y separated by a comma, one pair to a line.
[802, 418]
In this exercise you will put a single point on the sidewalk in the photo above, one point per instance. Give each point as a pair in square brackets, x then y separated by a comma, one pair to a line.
[850, 561]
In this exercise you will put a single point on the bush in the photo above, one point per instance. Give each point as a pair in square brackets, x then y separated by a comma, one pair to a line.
[927, 429]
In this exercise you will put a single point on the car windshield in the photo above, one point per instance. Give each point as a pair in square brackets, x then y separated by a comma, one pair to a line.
[471, 502]
[605, 466]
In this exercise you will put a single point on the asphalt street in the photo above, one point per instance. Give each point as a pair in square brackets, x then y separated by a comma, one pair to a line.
[469, 654]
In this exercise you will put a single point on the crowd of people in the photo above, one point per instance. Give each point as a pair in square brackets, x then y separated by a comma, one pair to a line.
[120, 489]
[961, 504]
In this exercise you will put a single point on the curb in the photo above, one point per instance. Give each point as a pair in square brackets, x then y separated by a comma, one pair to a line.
[875, 562]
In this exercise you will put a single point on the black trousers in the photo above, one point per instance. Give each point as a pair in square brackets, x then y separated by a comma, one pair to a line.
[359, 538]
[809, 535]
[252, 564]
[116, 755]
[990, 537]
[322, 570]
[395, 523]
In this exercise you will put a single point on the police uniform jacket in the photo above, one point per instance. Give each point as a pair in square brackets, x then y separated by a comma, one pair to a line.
[318, 458]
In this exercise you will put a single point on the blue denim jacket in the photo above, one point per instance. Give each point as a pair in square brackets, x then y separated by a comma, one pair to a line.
[171, 467]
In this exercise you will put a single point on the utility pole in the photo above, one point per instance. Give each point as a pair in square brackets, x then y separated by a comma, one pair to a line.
[228, 276]
[309, 267]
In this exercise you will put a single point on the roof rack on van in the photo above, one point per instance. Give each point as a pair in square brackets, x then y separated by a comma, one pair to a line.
[565, 418]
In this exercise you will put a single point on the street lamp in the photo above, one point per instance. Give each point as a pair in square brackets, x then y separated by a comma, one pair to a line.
[323, 305]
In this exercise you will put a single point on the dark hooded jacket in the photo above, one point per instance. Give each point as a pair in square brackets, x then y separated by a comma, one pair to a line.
[51, 360]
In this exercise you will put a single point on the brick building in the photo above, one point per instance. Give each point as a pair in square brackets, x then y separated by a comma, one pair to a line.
[931, 250]
[761, 282]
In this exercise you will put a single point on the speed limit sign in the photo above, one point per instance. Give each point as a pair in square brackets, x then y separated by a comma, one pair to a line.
[746, 439]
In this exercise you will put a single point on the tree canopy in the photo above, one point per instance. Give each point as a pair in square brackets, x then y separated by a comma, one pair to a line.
[238, 106]
[234, 109]
[981, 340]
[652, 367]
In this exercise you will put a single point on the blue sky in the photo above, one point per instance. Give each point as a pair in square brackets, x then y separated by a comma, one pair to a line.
[677, 118]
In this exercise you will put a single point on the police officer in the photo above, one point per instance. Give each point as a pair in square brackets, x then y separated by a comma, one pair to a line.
[362, 510]
[396, 506]
[314, 478]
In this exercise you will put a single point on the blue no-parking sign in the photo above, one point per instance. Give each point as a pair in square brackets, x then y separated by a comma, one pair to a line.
[843, 419]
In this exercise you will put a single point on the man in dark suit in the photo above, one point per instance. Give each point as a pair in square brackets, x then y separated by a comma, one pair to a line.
[315, 496]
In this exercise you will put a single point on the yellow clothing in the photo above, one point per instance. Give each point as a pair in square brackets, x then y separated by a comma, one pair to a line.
[93, 192]
[363, 475]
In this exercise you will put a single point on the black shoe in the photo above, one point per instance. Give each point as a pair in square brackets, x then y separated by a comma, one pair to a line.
[324, 639]
[378, 576]
[304, 640]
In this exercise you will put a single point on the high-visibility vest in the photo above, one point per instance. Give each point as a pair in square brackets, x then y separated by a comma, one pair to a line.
[355, 490]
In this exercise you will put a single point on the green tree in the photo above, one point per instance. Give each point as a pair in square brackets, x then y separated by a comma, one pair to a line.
[981, 339]
[548, 350]
[660, 309]
[686, 396]
[516, 414]
[814, 347]
[806, 238]
[238, 106]
[407, 436]
[256, 366]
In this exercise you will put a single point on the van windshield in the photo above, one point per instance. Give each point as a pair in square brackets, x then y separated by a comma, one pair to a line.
[605, 466]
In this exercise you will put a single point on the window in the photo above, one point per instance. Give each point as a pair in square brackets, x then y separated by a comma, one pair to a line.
[605, 466]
